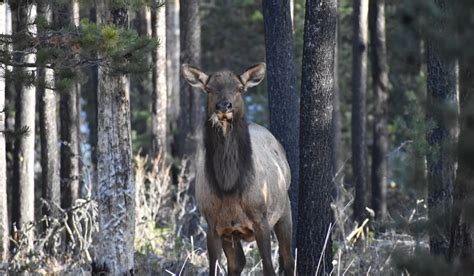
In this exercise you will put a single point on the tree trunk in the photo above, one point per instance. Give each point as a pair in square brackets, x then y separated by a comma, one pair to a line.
[359, 87]
[115, 173]
[172, 62]
[191, 114]
[3, 157]
[282, 94]
[90, 109]
[23, 200]
[380, 86]
[461, 240]
[51, 189]
[159, 82]
[70, 123]
[441, 111]
[315, 218]
[336, 112]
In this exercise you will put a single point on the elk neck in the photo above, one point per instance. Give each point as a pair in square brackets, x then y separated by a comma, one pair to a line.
[229, 165]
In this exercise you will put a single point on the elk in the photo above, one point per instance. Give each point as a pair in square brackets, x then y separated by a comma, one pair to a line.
[243, 180]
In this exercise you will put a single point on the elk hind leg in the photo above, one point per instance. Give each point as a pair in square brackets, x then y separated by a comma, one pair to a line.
[235, 256]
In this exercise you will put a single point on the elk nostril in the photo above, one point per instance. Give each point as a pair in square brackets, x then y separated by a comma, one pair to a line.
[224, 106]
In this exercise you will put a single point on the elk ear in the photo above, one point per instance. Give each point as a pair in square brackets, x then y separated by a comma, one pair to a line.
[194, 76]
[253, 75]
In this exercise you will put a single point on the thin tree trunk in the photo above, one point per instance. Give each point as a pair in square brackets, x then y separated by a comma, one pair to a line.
[441, 109]
[116, 197]
[462, 234]
[282, 93]
[191, 114]
[70, 123]
[90, 109]
[317, 88]
[380, 86]
[159, 82]
[3, 157]
[336, 112]
[359, 87]
[172, 63]
[9, 121]
[24, 174]
[51, 189]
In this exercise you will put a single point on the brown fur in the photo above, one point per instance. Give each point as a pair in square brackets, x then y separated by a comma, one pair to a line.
[242, 186]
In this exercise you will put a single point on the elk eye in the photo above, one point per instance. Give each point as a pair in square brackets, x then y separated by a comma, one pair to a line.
[241, 89]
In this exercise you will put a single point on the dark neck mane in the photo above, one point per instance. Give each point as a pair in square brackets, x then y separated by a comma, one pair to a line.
[229, 165]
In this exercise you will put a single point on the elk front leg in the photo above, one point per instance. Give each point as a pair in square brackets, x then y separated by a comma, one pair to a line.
[214, 250]
[283, 233]
[235, 256]
[263, 238]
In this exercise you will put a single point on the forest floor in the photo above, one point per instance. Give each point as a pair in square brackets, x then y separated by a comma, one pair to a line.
[170, 234]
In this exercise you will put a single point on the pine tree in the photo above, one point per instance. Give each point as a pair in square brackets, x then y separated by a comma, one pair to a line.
[380, 87]
[116, 195]
[441, 106]
[172, 62]
[51, 188]
[282, 93]
[159, 81]
[24, 14]
[317, 87]
[359, 87]
[4, 241]
[190, 98]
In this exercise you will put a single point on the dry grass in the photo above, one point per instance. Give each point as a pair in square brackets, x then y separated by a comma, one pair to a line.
[170, 234]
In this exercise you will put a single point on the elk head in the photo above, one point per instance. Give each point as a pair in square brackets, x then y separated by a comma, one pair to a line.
[225, 103]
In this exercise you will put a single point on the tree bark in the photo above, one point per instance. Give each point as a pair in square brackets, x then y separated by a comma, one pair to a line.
[380, 87]
[23, 200]
[70, 123]
[336, 112]
[172, 63]
[359, 87]
[441, 111]
[4, 241]
[282, 93]
[51, 189]
[116, 197]
[461, 240]
[315, 218]
[90, 109]
[190, 99]
[159, 82]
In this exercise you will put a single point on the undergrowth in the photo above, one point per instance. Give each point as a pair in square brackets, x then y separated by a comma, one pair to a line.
[170, 233]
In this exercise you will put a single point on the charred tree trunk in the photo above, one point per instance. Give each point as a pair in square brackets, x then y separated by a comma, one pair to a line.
[190, 112]
[380, 87]
[461, 240]
[116, 196]
[441, 111]
[3, 154]
[172, 63]
[159, 82]
[24, 157]
[282, 94]
[317, 87]
[359, 87]
[51, 189]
